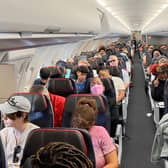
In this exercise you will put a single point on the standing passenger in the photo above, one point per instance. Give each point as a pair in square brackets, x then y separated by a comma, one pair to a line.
[44, 77]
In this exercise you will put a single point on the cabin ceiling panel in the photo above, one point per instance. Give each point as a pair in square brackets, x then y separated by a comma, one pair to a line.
[136, 14]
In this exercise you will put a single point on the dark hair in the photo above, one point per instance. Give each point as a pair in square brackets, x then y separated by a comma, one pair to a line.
[158, 51]
[60, 155]
[85, 114]
[115, 71]
[44, 73]
[82, 69]
[18, 114]
[102, 48]
[57, 72]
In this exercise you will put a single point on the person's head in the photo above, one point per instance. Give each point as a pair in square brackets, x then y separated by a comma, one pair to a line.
[113, 60]
[85, 114]
[162, 71]
[150, 48]
[39, 89]
[81, 73]
[44, 73]
[102, 51]
[163, 61]
[83, 63]
[97, 87]
[57, 72]
[104, 73]
[15, 111]
[115, 71]
[60, 155]
[156, 53]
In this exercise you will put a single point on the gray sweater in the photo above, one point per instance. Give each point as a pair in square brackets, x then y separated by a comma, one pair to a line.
[160, 143]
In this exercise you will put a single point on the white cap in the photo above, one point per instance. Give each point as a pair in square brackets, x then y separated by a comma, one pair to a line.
[15, 104]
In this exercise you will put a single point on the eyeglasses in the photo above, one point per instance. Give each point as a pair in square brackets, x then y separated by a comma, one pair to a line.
[17, 150]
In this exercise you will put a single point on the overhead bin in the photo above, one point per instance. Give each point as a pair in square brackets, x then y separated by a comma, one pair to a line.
[49, 16]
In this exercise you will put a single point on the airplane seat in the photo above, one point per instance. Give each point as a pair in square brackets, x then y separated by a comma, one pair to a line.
[103, 117]
[61, 87]
[116, 111]
[41, 112]
[3, 163]
[40, 137]
[158, 110]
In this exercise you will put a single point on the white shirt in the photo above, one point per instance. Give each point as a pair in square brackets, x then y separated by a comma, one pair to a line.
[118, 84]
[9, 142]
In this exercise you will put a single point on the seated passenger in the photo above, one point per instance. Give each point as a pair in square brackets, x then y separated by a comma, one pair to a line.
[56, 101]
[97, 87]
[44, 77]
[85, 117]
[17, 127]
[124, 73]
[158, 83]
[60, 155]
[86, 64]
[156, 56]
[82, 85]
[118, 84]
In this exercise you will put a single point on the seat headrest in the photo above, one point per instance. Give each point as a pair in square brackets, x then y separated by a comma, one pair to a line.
[37, 100]
[100, 101]
[61, 86]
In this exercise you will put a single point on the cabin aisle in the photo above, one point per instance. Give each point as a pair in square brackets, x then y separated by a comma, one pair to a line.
[140, 129]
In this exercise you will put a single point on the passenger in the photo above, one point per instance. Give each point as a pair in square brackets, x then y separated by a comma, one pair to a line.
[147, 56]
[158, 83]
[56, 101]
[17, 127]
[82, 83]
[59, 72]
[85, 117]
[86, 64]
[118, 84]
[156, 56]
[124, 73]
[97, 87]
[44, 77]
[60, 155]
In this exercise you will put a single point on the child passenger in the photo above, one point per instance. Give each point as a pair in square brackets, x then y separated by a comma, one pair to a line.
[17, 127]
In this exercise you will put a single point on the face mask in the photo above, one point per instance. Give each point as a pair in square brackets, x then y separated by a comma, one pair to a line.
[97, 89]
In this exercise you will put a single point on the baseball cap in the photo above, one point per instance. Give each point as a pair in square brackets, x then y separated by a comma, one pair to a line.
[15, 104]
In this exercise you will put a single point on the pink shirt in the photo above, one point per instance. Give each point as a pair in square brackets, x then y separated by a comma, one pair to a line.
[102, 144]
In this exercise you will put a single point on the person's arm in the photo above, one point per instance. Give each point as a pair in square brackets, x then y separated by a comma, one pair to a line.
[121, 95]
[111, 160]
[144, 60]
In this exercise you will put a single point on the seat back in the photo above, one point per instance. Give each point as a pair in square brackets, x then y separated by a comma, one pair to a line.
[103, 116]
[62, 87]
[40, 137]
[2, 156]
[41, 112]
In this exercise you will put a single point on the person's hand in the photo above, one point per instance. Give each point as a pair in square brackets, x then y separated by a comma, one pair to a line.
[156, 83]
